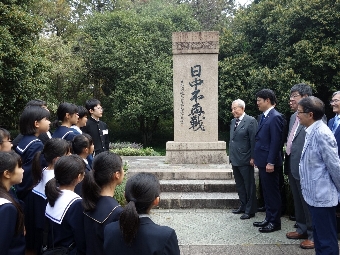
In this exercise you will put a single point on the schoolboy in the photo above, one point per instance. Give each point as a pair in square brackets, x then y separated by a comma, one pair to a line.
[96, 128]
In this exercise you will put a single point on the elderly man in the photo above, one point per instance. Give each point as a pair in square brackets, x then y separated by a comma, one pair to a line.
[295, 142]
[319, 174]
[241, 155]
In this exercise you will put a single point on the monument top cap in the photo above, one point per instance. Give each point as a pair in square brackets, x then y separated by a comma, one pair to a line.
[195, 42]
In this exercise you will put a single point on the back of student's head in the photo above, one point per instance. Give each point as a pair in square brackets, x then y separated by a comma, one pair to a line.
[8, 162]
[65, 108]
[4, 134]
[141, 190]
[28, 119]
[66, 172]
[105, 165]
[82, 111]
[36, 102]
[91, 103]
[53, 148]
[81, 142]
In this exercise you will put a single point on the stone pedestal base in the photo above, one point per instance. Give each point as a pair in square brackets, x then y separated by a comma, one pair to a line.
[196, 152]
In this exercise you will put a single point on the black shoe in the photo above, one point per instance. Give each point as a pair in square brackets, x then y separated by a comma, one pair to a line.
[270, 228]
[247, 216]
[237, 211]
[291, 217]
[296, 225]
[260, 223]
[261, 209]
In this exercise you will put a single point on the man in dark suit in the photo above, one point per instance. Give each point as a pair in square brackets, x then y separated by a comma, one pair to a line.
[268, 158]
[295, 142]
[333, 123]
[241, 156]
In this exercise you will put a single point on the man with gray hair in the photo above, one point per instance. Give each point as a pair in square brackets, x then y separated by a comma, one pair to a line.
[241, 156]
[319, 174]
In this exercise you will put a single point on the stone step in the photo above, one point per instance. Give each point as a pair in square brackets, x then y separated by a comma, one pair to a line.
[197, 185]
[215, 200]
[187, 173]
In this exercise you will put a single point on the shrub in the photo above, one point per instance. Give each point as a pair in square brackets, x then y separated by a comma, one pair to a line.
[120, 189]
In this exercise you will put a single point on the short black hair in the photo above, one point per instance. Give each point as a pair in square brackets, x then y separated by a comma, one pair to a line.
[4, 133]
[64, 108]
[302, 89]
[81, 142]
[82, 111]
[28, 118]
[36, 102]
[91, 103]
[267, 94]
[314, 105]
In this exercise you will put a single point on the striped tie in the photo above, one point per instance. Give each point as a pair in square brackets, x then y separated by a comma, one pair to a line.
[236, 123]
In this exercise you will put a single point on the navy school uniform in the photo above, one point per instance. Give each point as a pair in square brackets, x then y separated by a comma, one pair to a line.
[10, 243]
[79, 186]
[27, 148]
[36, 213]
[67, 223]
[107, 210]
[150, 239]
[100, 135]
[64, 133]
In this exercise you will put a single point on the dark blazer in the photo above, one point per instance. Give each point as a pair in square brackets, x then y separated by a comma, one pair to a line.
[107, 210]
[296, 149]
[99, 132]
[336, 134]
[242, 141]
[150, 239]
[268, 140]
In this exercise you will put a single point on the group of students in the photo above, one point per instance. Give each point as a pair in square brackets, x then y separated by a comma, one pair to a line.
[54, 194]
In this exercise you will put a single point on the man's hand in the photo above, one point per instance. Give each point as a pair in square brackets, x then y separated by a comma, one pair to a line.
[269, 168]
[251, 162]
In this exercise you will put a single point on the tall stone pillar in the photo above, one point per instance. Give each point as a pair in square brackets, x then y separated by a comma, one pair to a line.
[195, 89]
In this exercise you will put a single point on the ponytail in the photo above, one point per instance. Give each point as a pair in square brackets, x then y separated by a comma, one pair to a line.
[140, 192]
[36, 169]
[52, 191]
[90, 191]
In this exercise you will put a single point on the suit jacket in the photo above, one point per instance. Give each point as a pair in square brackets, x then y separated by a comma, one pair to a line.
[99, 132]
[336, 134]
[150, 239]
[268, 140]
[242, 141]
[320, 167]
[296, 149]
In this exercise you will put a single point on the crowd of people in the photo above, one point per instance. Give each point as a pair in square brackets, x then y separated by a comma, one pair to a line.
[310, 159]
[56, 190]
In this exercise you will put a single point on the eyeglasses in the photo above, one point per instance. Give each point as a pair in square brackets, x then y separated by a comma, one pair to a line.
[294, 96]
[334, 101]
[99, 108]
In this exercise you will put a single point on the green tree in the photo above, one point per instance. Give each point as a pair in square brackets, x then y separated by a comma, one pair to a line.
[129, 57]
[277, 43]
[22, 63]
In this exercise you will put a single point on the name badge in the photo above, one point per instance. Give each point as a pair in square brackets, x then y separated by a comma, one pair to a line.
[105, 132]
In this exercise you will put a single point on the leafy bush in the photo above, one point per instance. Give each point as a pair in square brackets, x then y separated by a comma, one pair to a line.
[120, 189]
[136, 152]
[120, 145]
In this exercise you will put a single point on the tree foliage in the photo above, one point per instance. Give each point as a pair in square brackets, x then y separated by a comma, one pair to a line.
[22, 64]
[276, 44]
[129, 57]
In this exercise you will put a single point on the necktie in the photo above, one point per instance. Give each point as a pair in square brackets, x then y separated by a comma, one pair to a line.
[262, 118]
[335, 124]
[236, 123]
[291, 135]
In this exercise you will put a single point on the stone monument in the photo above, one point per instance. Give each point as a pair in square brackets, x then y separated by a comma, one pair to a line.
[195, 88]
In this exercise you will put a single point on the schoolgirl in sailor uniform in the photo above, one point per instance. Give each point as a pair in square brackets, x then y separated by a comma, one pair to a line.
[82, 145]
[68, 115]
[12, 240]
[100, 206]
[53, 149]
[33, 122]
[64, 210]
[136, 233]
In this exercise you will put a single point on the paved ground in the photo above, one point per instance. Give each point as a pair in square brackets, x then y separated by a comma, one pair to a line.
[216, 231]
